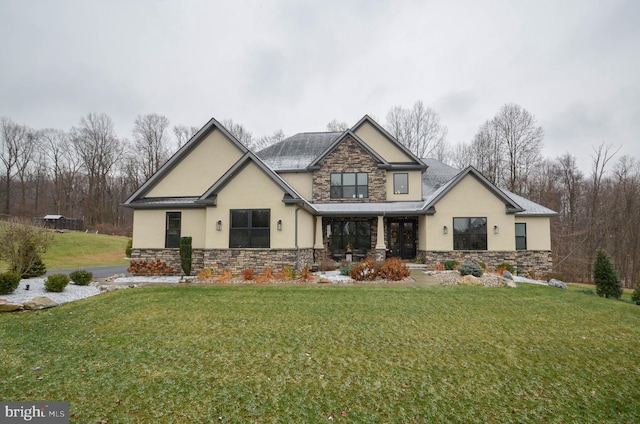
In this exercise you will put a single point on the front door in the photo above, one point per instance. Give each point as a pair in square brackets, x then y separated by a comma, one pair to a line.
[402, 238]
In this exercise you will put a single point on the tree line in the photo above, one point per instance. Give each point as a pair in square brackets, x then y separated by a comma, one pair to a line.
[88, 171]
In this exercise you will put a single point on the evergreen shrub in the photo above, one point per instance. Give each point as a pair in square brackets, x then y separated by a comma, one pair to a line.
[470, 268]
[9, 282]
[56, 282]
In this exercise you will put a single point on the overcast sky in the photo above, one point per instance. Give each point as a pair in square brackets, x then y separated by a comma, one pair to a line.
[296, 65]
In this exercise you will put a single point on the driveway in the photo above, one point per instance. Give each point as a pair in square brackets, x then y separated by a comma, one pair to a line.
[98, 272]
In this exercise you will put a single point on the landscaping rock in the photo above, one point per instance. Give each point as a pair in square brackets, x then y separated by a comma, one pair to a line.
[557, 283]
[509, 282]
[506, 274]
[40, 302]
[469, 280]
[6, 306]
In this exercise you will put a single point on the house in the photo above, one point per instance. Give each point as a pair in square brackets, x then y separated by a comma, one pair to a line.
[344, 195]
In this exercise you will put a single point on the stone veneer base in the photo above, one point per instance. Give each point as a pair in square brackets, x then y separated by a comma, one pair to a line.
[236, 260]
[538, 261]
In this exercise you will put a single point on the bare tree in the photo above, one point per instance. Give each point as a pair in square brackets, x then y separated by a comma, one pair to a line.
[26, 155]
[337, 126]
[238, 131]
[183, 134]
[96, 143]
[151, 142]
[268, 140]
[418, 128]
[12, 137]
[487, 153]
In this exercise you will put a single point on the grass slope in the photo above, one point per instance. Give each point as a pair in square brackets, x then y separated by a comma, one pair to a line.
[76, 249]
[321, 354]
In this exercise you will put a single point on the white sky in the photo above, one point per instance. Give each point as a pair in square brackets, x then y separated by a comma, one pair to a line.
[296, 65]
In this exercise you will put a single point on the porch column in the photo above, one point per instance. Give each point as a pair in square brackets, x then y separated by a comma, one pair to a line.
[318, 242]
[380, 241]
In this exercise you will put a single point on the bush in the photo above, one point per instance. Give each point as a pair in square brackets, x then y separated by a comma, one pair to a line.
[36, 269]
[186, 258]
[605, 276]
[21, 246]
[127, 250]
[56, 282]
[505, 266]
[635, 297]
[345, 270]
[393, 270]
[81, 277]
[9, 282]
[470, 268]
[450, 265]
[248, 274]
[366, 269]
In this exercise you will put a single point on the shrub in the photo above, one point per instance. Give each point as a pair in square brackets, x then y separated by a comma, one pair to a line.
[288, 273]
[470, 268]
[367, 269]
[205, 274]
[305, 275]
[345, 270]
[127, 250]
[22, 244]
[605, 276]
[635, 297]
[185, 255]
[81, 277]
[394, 269]
[36, 269]
[9, 282]
[225, 276]
[248, 274]
[450, 265]
[266, 277]
[155, 267]
[505, 266]
[56, 282]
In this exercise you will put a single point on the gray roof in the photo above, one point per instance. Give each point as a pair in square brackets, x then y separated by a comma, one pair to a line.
[530, 207]
[373, 209]
[436, 175]
[297, 152]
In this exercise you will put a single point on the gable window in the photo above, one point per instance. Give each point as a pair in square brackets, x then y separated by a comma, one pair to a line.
[250, 228]
[521, 236]
[349, 185]
[469, 233]
[172, 229]
[401, 183]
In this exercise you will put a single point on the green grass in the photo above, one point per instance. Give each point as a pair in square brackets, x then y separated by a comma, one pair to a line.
[299, 354]
[75, 249]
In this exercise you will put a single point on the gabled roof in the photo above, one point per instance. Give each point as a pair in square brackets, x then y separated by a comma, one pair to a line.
[297, 152]
[510, 205]
[181, 153]
[348, 133]
[389, 137]
[290, 195]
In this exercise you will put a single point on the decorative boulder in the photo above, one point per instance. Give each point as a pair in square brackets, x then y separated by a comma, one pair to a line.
[6, 306]
[506, 274]
[557, 283]
[40, 302]
[469, 280]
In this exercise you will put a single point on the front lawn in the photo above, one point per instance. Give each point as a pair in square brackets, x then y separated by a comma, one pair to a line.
[329, 354]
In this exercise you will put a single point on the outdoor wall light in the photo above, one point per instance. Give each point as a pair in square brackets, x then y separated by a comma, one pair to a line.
[496, 229]
[219, 225]
[279, 225]
[445, 230]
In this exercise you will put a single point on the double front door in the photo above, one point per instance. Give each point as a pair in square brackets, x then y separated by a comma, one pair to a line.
[402, 238]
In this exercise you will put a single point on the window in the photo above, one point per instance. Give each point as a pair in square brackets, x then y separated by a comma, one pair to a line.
[172, 229]
[250, 228]
[400, 183]
[469, 233]
[350, 185]
[357, 234]
[521, 236]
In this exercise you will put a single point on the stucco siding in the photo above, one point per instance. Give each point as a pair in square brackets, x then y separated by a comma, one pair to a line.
[538, 232]
[381, 144]
[149, 227]
[415, 187]
[302, 182]
[197, 171]
[469, 198]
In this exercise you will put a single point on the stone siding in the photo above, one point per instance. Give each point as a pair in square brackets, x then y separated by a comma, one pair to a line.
[348, 156]
[538, 261]
[236, 260]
